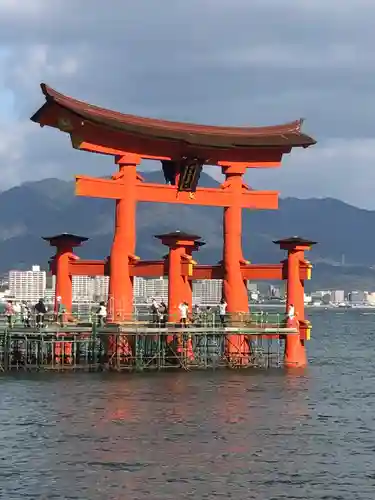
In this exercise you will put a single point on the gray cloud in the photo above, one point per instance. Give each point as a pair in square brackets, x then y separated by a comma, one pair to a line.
[210, 61]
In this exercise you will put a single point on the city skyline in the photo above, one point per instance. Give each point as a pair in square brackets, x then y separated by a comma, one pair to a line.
[31, 285]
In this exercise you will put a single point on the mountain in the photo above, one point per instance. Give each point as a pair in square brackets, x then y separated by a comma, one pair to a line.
[343, 257]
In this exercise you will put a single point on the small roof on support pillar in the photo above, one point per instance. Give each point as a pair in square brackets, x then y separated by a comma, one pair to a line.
[197, 245]
[61, 238]
[293, 242]
[180, 235]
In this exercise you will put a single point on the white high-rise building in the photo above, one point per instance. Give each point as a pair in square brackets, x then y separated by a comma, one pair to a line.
[82, 288]
[100, 288]
[139, 289]
[338, 296]
[95, 289]
[207, 292]
[27, 285]
[156, 288]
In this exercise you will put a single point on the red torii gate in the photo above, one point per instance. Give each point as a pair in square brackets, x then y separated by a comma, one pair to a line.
[183, 149]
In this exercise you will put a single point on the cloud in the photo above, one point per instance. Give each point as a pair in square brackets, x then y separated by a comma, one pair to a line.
[341, 56]
[209, 61]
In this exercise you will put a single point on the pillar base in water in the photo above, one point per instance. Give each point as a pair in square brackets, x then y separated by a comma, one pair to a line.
[295, 352]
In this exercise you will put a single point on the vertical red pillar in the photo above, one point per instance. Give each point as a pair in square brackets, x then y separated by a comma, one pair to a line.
[234, 287]
[179, 289]
[176, 285]
[64, 244]
[295, 351]
[120, 303]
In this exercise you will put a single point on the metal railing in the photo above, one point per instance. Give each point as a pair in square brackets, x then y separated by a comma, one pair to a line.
[203, 319]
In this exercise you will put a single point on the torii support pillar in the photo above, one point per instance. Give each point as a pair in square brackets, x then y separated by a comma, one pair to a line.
[295, 351]
[120, 295]
[180, 245]
[234, 286]
[64, 244]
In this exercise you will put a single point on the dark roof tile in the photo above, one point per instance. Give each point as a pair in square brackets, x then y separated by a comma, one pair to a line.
[286, 135]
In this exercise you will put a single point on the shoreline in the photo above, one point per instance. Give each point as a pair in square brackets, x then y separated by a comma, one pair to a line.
[316, 307]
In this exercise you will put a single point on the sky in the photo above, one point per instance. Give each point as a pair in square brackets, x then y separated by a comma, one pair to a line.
[221, 62]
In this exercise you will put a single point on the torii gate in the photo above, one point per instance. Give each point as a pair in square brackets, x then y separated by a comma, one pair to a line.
[183, 149]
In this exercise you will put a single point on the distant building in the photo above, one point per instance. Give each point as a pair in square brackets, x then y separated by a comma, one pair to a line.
[326, 299]
[139, 289]
[357, 297]
[207, 292]
[27, 285]
[49, 295]
[100, 288]
[337, 296]
[82, 288]
[35, 284]
[321, 293]
[156, 288]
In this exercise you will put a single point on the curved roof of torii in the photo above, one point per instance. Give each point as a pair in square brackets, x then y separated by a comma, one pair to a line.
[288, 135]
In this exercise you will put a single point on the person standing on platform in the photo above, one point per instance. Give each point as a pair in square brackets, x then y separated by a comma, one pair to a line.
[154, 311]
[40, 310]
[17, 308]
[60, 311]
[26, 314]
[163, 313]
[184, 311]
[196, 315]
[291, 312]
[101, 314]
[9, 313]
[222, 311]
[291, 317]
[208, 317]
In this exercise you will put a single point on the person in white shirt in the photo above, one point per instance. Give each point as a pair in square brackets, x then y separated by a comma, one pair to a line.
[222, 310]
[102, 314]
[184, 310]
[291, 312]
